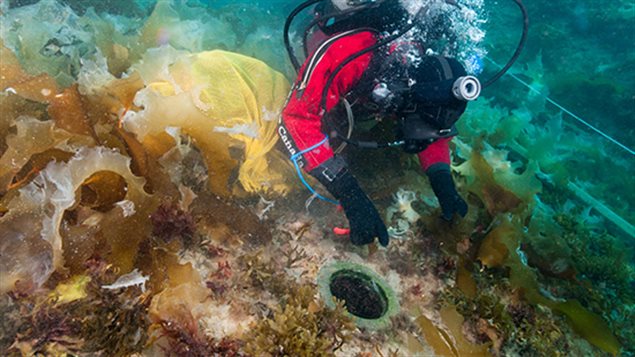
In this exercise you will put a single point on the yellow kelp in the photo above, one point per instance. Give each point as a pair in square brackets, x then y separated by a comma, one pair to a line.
[227, 103]
[35, 214]
[450, 342]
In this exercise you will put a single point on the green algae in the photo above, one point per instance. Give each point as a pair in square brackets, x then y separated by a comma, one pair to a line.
[589, 325]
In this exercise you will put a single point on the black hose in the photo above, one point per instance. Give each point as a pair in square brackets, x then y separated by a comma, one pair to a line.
[287, 25]
[335, 15]
[519, 48]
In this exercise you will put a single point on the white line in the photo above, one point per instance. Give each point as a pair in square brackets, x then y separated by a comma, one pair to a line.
[614, 141]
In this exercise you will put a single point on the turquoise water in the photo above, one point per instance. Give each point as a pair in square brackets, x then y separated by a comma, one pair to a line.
[223, 257]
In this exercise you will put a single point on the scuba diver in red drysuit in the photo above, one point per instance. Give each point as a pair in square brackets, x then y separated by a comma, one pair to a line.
[356, 58]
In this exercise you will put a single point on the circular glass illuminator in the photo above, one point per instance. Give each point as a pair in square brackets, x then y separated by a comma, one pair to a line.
[367, 297]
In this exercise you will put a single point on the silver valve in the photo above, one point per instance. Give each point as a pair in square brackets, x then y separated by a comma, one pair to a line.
[466, 88]
[381, 92]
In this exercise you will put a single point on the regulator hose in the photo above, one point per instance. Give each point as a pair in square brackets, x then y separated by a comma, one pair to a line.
[519, 48]
[287, 25]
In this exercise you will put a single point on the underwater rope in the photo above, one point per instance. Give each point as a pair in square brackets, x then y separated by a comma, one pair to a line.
[295, 157]
[604, 210]
[606, 136]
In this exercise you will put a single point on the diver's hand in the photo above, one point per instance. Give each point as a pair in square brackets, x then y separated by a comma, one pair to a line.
[443, 186]
[363, 218]
[451, 206]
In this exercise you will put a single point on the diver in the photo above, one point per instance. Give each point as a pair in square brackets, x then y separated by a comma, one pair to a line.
[359, 65]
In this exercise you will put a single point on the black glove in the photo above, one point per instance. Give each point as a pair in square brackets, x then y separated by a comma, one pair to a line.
[363, 218]
[443, 187]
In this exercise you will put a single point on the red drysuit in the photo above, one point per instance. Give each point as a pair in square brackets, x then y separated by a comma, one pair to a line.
[301, 117]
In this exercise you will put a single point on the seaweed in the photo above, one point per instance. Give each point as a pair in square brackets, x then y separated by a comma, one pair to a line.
[597, 256]
[521, 327]
[69, 113]
[114, 322]
[219, 281]
[48, 328]
[301, 327]
[116, 325]
[218, 216]
[78, 317]
[503, 240]
[605, 280]
[504, 300]
[294, 255]
[212, 250]
[170, 222]
[218, 289]
[12, 323]
[264, 273]
[450, 341]
[187, 342]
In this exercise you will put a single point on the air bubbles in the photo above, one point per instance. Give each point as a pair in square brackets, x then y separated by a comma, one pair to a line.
[449, 30]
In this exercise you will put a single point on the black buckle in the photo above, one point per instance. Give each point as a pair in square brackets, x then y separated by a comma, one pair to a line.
[330, 176]
[333, 167]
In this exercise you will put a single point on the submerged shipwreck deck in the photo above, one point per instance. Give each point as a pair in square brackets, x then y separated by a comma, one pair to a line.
[145, 209]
